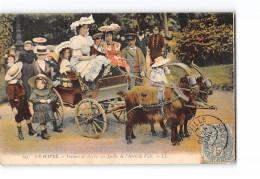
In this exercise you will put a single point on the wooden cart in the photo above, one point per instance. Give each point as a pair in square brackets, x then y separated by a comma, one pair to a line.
[91, 107]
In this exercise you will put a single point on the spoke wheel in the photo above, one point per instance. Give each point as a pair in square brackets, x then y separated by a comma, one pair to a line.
[58, 109]
[90, 118]
[121, 116]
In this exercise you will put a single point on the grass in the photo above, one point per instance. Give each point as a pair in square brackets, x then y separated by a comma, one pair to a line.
[221, 76]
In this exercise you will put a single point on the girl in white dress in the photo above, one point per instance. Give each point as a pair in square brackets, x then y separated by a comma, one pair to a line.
[64, 52]
[89, 66]
[159, 70]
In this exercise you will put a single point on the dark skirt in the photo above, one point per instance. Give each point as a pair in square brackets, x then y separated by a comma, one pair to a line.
[43, 113]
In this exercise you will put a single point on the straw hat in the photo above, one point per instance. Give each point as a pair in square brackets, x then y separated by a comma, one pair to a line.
[39, 40]
[82, 21]
[32, 80]
[28, 42]
[112, 27]
[13, 71]
[159, 61]
[41, 50]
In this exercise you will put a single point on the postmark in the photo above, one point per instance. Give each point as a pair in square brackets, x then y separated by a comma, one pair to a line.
[215, 137]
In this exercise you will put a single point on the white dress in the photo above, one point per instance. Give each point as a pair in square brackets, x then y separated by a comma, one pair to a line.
[158, 74]
[64, 66]
[88, 69]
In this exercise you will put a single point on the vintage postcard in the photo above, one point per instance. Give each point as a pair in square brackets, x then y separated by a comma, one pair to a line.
[117, 88]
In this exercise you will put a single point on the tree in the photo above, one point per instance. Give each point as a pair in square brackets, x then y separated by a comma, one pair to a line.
[207, 40]
[6, 34]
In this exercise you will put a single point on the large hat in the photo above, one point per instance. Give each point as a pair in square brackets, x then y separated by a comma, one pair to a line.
[97, 36]
[41, 50]
[39, 40]
[82, 21]
[32, 80]
[112, 27]
[13, 71]
[61, 46]
[130, 36]
[159, 61]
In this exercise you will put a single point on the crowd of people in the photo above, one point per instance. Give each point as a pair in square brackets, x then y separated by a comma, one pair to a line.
[38, 67]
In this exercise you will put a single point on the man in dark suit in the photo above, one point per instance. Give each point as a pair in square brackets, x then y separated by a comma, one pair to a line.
[40, 66]
[155, 44]
[135, 59]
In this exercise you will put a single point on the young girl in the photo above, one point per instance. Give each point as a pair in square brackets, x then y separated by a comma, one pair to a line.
[42, 98]
[64, 52]
[159, 70]
[17, 98]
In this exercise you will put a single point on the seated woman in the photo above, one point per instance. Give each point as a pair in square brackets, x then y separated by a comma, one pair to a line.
[113, 53]
[89, 66]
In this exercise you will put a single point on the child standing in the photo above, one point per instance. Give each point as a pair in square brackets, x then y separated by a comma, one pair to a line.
[159, 70]
[17, 98]
[42, 98]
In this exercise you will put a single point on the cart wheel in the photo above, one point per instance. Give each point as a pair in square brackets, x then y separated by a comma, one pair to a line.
[121, 116]
[58, 109]
[90, 118]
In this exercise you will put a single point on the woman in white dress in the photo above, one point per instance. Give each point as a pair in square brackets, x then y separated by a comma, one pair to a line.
[89, 66]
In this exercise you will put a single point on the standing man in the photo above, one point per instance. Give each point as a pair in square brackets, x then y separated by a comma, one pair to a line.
[135, 59]
[40, 66]
[155, 44]
[26, 57]
[141, 42]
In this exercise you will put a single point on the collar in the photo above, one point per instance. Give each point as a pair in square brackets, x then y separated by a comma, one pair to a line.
[13, 81]
[41, 61]
[133, 48]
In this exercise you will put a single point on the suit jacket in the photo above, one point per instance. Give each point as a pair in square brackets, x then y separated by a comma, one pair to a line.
[35, 69]
[128, 54]
[155, 44]
[16, 95]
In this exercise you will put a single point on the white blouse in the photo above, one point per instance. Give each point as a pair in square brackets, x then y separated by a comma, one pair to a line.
[64, 65]
[81, 45]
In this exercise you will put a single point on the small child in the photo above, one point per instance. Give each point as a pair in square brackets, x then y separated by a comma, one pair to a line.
[42, 98]
[16, 96]
[159, 70]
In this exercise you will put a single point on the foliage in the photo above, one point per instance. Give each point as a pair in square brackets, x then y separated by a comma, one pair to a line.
[6, 34]
[206, 40]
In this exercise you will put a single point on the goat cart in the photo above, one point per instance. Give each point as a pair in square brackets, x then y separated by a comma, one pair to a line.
[91, 106]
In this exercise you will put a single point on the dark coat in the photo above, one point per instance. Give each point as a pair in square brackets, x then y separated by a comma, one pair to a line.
[16, 96]
[142, 44]
[35, 69]
[27, 57]
[43, 112]
[56, 68]
[155, 44]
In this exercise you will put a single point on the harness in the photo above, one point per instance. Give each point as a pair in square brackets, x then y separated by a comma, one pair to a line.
[161, 98]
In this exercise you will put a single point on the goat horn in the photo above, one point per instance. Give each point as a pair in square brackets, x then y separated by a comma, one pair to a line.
[183, 66]
[197, 68]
